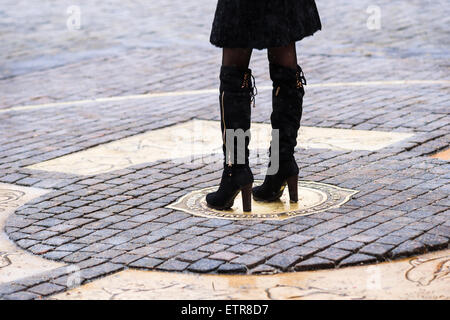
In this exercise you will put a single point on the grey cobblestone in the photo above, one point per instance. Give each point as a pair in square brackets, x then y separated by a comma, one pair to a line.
[56, 255]
[302, 251]
[225, 256]
[77, 257]
[213, 247]
[264, 269]
[408, 248]
[40, 248]
[322, 242]
[109, 254]
[249, 260]
[46, 289]
[376, 249]
[242, 248]
[125, 258]
[314, 264]
[259, 241]
[192, 256]
[23, 295]
[282, 245]
[10, 288]
[233, 240]
[348, 245]
[205, 265]
[333, 254]
[283, 261]
[357, 259]
[232, 268]
[298, 239]
[100, 270]
[173, 265]
[433, 241]
[148, 263]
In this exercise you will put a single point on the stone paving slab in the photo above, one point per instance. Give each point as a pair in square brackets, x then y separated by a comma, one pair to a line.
[102, 231]
[198, 139]
[14, 262]
[136, 45]
[422, 277]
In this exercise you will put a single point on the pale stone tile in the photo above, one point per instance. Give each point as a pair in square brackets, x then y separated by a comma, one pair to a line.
[202, 138]
[15, 263]
[424, 277]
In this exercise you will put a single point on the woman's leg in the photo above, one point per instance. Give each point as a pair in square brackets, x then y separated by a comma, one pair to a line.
[287, 102]
[236, 57]
[283, 56]
[236, 90]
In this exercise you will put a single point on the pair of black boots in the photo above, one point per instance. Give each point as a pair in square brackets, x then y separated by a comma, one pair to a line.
[236, 96]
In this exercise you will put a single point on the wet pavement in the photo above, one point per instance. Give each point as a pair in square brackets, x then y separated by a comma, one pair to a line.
[110, 137]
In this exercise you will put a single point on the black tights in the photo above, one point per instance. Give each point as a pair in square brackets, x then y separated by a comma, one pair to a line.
[240, 57]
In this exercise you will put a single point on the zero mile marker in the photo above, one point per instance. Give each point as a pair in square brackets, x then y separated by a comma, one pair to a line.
[314, 197]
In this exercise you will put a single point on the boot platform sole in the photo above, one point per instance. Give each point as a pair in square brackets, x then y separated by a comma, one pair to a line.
[246, 200]
[292, 183]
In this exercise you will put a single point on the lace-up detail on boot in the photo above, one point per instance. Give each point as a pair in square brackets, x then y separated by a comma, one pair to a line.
[301, 80]
[250, 83]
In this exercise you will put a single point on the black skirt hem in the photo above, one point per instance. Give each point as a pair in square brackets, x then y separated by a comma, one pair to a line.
[273, 44]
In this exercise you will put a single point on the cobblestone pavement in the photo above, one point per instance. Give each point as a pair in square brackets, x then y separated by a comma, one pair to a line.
[111, 221]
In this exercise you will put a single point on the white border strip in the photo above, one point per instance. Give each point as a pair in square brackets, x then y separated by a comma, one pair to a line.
[212, 91]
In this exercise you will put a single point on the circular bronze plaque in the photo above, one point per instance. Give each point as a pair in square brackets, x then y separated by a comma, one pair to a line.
[314, 197]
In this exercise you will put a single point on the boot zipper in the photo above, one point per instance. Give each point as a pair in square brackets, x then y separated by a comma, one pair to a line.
[223, 118]
[277, 92]
[224, 130]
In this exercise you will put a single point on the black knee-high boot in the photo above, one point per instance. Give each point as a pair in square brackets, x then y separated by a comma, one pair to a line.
[287, 107]
[236, 94]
